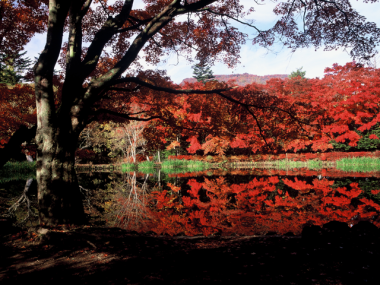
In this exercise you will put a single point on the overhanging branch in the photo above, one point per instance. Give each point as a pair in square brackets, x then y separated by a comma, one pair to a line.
[169, 90]
[124, 89]
[134, 27]
[125, 116]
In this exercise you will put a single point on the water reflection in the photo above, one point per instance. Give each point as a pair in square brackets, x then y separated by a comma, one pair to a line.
[13, 212]
[24, 199]
[239, 204]
[225, 202]
[131, 203]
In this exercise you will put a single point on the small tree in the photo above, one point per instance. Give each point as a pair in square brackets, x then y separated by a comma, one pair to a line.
[128, 138]
[297, 73]
[13, 67]
[202, 73]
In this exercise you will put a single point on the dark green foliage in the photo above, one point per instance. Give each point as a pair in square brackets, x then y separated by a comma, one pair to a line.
[340, 146]
[365, 143]
[202, 73]
[297, 73]
[12, 68]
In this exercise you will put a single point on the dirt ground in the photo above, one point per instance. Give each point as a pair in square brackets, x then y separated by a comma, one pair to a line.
[97, 255]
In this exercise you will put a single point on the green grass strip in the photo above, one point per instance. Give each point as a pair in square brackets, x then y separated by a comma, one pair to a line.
[128, 166]
[146, 164]
[184, 164]
[181, 170]
[285, 164]
[358, 164]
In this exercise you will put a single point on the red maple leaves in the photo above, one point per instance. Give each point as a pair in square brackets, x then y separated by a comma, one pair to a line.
[282, 115]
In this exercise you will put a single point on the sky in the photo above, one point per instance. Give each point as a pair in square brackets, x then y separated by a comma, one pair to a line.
[254, 59]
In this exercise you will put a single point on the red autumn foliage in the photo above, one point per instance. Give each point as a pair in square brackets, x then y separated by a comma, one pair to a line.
[17, 107]
[257, 207]
[19, 22]
[303, 113]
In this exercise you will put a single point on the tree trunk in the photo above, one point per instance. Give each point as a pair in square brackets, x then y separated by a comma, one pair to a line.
[59, 197]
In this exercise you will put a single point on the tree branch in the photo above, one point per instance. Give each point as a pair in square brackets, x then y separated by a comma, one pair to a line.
[110, 27]
[169, 90]
[124, 89]
[125, 116]
[136, 26]
[85, 7]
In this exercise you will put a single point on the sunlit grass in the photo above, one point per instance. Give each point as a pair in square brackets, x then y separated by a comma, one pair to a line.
[181, 170]
[359, 164]
[128, 166]
[311, 164]
[185, 164]
[146, 164]
[362, 164]
[147, 170]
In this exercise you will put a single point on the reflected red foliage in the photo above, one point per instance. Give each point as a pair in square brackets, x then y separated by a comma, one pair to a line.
[257, 207]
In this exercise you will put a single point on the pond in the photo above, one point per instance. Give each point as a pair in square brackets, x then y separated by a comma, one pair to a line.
[220, 201]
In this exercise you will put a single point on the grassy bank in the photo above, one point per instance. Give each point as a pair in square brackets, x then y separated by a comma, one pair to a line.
[168, 166]
[185, 164]
[359, 164]
[311, 164]
[181, 166]
[282, 164]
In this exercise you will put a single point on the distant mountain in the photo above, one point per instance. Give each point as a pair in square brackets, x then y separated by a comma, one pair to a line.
[242, 79]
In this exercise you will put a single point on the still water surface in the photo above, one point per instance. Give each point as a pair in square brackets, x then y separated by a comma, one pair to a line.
[225, 202]
[235, 202]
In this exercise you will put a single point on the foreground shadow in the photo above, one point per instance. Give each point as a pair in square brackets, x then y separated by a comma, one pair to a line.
[330, 255]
